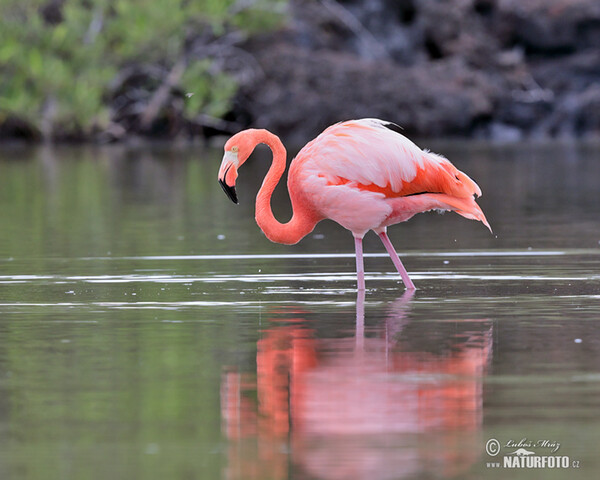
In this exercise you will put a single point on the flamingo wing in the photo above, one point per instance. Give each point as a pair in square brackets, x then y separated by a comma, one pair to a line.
[365, 174]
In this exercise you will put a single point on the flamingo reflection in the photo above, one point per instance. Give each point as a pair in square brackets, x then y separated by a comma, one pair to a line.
[386, 404]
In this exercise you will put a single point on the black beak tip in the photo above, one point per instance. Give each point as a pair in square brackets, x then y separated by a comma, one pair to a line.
[229, 191]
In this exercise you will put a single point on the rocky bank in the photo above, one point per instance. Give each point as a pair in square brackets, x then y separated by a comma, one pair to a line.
[497, 69]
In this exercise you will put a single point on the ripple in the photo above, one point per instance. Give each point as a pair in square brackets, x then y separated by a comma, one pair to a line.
[165, 305]
[288, 277]
[310, 256]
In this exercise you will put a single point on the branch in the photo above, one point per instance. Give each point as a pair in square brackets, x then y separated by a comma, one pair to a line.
[162, 93]
[372, 45]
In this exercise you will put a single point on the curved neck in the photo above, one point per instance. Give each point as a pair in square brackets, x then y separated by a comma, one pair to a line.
[303, 220]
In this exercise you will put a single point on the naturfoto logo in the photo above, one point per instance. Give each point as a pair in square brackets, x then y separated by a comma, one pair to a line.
[525, 453]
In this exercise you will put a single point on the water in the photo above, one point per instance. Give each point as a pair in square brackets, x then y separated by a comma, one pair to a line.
[149, 330]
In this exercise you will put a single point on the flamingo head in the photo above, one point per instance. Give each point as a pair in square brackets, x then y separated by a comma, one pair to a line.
[237, 150]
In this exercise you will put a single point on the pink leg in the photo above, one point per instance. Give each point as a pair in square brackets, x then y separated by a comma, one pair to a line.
[396, 260]
[360, 269]
[360, 320]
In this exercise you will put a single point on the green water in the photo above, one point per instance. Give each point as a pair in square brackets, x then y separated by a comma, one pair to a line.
[149, 330]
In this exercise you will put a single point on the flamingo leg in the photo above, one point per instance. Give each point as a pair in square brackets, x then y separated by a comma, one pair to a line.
[360, 267]
[396, 260]
[360, 320]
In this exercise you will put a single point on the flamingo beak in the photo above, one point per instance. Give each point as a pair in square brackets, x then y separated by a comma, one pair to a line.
[228, 175]
[229, 191]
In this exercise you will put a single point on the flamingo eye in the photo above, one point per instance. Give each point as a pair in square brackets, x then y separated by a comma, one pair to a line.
[234, 149]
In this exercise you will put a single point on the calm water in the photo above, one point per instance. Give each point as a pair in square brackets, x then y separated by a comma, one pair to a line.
[149, 330]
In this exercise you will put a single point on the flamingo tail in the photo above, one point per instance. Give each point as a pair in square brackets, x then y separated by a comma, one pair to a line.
[464, 206]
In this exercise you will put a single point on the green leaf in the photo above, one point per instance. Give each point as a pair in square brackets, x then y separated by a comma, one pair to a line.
[74, 61]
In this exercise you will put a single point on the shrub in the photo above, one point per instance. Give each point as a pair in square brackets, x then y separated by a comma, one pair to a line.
[57, 57]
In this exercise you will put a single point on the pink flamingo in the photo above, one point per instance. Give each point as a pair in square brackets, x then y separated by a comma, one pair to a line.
[363, 174]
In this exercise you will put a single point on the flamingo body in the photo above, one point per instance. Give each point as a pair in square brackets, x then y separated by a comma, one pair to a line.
[366, 176]
[362, 174]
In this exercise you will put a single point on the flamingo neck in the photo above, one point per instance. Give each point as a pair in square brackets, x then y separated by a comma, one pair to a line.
[303, 219]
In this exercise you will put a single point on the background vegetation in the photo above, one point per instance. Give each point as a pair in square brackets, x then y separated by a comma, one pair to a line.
[108, 70]
[79, 68]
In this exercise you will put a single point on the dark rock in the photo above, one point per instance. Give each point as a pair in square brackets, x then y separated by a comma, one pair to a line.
[550, 26]
[503, 132]
[13, 128]
[304, 91]
[504, 69]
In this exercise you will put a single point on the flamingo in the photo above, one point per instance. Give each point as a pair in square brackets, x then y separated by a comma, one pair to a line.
[363, 174]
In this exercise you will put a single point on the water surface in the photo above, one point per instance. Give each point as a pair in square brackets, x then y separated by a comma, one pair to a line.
[149, 330]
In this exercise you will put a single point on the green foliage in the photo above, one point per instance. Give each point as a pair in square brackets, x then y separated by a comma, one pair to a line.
[265, 15]
[207, 92]
[55, 69]
[51, 73]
